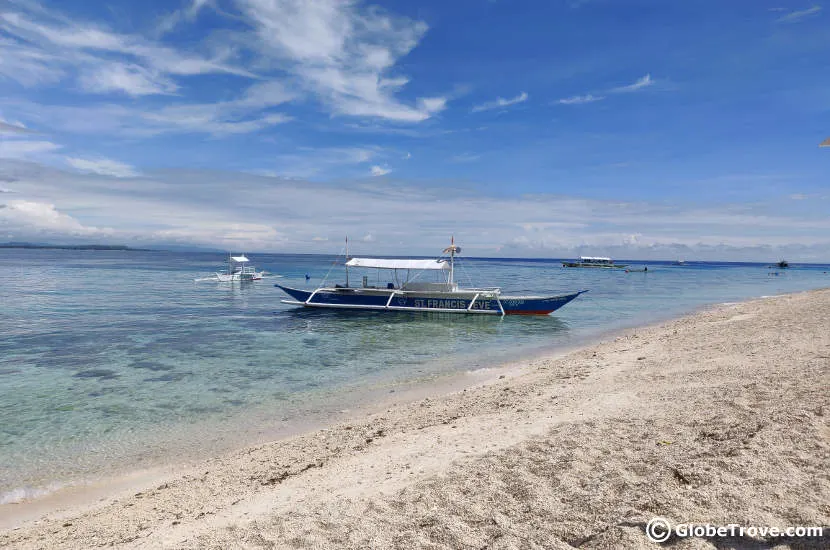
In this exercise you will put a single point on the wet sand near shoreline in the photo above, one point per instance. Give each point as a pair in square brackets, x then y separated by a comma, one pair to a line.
[720, 417]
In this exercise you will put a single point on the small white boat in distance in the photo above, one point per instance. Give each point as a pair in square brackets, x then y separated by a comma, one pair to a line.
[238, 270]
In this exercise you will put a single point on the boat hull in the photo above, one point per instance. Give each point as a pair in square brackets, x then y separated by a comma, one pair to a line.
[594, 266]
[243, 277]
[468, 302]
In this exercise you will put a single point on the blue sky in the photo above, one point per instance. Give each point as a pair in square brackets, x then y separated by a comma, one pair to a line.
[645, 129]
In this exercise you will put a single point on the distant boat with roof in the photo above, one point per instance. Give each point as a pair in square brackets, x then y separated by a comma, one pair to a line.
[238, 271]
[402, 291]
[600, 262]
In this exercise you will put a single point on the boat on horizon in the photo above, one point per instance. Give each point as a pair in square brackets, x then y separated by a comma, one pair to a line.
[404, 292]
[782, 264]
[238, 271]
[599, 262]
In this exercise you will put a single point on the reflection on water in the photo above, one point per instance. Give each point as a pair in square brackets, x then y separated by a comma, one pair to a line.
[111, 357]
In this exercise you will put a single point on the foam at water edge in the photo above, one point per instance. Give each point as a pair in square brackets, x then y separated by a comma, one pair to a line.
[21, 494]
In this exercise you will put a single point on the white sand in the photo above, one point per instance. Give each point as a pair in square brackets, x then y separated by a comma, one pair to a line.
[721, 417]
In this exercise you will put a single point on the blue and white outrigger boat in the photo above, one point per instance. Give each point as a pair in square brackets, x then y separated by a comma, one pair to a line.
[411, 295]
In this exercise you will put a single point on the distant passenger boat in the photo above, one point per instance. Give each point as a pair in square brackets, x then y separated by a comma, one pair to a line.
[412, 295]
[238, 271]
[679, 262]
[594, 261]
[782, 264]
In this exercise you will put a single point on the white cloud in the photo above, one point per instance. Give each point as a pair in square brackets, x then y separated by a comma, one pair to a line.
[22, 149]
[103, 167]
[28, 66]
[250, 112]
[253, 110]
[580, 99]
[40, 218]
[641, 83]
[342, 52]
[465, 157]
[172, 20]
[43, 46]
[800, 15]
[13, 128]
[500, 102]
[131, 79]
[309, 162]
[380, 170]
[209, 118]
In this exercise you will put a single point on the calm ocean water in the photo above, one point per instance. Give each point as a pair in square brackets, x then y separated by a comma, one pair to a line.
[116, 360]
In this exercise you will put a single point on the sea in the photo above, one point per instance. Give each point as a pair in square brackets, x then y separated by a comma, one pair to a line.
[113, 361]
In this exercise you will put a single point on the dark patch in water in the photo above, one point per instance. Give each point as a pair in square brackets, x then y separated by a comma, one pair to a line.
[150, 365]
[104, 391]
[101, 374]
[204, 410]
[169, 377]
[9, 371]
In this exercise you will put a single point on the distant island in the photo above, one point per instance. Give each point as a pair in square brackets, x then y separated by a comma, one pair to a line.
[72, 246]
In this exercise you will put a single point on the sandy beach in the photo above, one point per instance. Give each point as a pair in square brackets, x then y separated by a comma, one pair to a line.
[721, 417]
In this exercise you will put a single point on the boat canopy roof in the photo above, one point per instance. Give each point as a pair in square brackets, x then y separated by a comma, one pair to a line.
[594, 259]
[240, 259]
[397, 264]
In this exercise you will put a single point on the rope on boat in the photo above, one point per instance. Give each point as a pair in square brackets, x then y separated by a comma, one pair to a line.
[334, 263]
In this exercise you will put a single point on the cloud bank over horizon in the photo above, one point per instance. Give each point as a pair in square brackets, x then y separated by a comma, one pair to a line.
[239, 211]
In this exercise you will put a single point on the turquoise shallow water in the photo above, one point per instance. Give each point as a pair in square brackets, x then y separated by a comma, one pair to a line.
[112, 360]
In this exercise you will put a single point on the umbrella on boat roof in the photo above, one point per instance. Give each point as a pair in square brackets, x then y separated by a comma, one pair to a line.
[825, 143]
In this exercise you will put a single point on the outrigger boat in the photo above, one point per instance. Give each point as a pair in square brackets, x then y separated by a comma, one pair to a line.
[410, 295]
[594, 261]
[239, 271]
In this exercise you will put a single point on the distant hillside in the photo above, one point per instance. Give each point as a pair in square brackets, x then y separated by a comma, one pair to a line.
[70, 246]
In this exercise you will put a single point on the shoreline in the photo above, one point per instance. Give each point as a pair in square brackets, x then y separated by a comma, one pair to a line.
[60, 499]
[363, 400]
[83, 493]
[417, 427]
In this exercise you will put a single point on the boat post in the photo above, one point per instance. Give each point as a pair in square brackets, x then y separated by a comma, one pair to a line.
[347, 261]
[452, 259]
